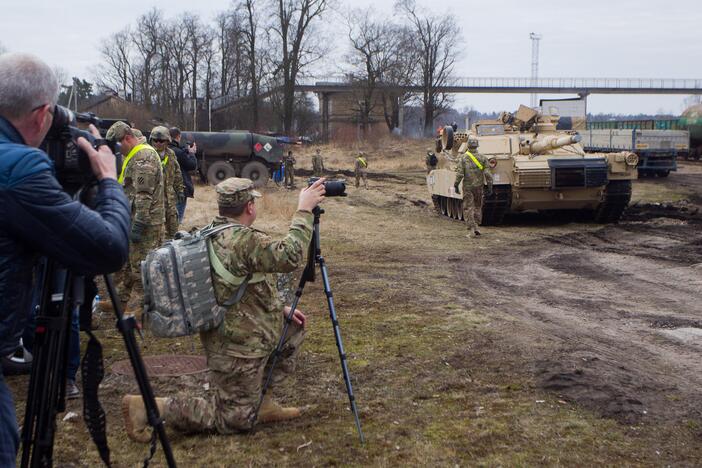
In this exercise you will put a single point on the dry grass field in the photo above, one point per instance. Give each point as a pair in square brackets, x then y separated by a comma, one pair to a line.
[542, 343]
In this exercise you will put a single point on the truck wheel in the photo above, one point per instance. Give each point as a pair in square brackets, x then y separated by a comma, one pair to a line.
[219, 171]
[257, 172]
[664, 173]
[447, 137]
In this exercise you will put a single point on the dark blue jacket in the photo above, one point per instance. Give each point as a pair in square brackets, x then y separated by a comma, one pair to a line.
[38, 218]
[187, 163]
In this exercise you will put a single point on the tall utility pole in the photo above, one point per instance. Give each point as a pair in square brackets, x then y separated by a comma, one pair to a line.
[535, 38]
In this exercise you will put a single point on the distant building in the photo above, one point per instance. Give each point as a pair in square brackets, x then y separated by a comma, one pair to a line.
[110, 105]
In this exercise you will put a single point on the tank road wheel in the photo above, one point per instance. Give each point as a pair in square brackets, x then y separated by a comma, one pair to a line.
[664, 173]
[257, 172]
[436, 200]
[457, 209]
[495, 206]
[459, 206]
[444, 206]
[451, 210]
[219, 171]
[616, 198]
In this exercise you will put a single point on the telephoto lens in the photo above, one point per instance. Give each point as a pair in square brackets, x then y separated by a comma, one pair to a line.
[332, 188]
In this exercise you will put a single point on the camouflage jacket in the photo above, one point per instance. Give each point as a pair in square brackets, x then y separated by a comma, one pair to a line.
[289, 161]
[317, 163]
[468, 172]
[143, 184]
[172, 178]
[252, 327]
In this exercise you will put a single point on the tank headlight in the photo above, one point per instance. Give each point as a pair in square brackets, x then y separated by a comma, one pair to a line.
[492, 162]
[632, 159]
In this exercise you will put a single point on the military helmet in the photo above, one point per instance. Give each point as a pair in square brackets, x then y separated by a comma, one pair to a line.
[160, 133]
[472, 143]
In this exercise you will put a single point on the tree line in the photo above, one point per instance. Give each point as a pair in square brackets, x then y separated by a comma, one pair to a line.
[255, 52]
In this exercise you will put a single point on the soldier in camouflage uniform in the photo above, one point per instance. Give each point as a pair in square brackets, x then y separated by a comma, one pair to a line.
[317, 164]
[239, 351]
[174, 188]
[289, 170]
[473, 171]
[360, 169]
[142, 178]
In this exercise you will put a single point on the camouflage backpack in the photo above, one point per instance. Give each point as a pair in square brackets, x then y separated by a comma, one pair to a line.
[179, 295]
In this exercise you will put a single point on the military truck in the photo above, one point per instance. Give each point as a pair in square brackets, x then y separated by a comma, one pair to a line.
[535, 167]
[239, 153]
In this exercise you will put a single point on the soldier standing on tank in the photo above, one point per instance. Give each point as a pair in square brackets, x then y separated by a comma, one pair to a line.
[240, 349]
[141, 176]
[289, 170]
[360, 169]
[430, 160]
[472, 170]
[317, 164]
[173, 186]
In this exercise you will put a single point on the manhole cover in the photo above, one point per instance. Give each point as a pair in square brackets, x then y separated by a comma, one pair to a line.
[165, 365]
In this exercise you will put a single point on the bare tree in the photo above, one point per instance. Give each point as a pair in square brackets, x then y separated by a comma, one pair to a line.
[434, 36]
[116, 54]
[251, 47]
[146, 40]
[297, 46]
[230, 33]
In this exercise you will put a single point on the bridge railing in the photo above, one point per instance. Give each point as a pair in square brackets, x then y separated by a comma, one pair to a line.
[525, 82]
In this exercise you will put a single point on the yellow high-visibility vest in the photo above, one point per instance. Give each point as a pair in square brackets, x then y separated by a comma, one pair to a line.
[475, 160]
[165, 161]
[131, 154]
[363, 162]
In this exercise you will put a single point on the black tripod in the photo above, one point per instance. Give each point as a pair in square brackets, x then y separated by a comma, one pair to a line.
[314, 256]
[61, 293]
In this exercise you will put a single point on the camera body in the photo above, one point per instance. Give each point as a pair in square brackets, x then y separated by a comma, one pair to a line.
[71, 164]
[332, 188]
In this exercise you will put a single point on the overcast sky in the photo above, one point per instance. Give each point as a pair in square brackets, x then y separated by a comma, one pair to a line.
[594, 38]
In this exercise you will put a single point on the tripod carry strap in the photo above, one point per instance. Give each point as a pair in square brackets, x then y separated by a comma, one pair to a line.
[92, 372]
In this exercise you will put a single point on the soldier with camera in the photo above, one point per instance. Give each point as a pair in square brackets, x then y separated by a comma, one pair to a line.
[241, 348]
[142, 177]
[187, 162]
[39, 218]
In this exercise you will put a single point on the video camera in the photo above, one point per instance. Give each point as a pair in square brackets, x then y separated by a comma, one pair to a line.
[70, 162]
[332, 188]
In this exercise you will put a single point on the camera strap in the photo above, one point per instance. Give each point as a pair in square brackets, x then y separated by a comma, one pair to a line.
[92, 373]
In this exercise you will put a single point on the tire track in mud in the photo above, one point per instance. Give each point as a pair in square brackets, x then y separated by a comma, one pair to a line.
[586, 308]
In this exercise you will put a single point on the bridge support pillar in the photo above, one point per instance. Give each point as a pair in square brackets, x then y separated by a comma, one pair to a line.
[324, 102]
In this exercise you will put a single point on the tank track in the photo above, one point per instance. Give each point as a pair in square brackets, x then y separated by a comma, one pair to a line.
[497, 205]
[494, 206]
[616, 198]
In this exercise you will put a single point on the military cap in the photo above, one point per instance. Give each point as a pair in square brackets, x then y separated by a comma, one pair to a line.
[118, 130]
[234, 192]
[138, 135]
[160, 133]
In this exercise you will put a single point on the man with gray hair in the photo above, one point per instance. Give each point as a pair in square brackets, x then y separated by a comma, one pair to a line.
[39, 218]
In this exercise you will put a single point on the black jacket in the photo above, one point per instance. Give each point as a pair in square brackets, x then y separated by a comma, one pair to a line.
[187, 162]
[39, 218]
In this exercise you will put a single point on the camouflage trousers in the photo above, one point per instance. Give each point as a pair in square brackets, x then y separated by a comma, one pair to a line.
[361, 175]
[171, 217]
[236, 384]
[289, 176]
[128, 279]
[317, 172]
[473, 207]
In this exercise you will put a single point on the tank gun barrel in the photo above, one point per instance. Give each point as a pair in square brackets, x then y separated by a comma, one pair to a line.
[553, 142]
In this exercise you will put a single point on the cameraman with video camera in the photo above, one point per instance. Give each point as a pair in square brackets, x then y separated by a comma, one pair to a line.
[39, 218]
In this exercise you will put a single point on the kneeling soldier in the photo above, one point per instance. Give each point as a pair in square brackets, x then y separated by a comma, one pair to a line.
[239, 350]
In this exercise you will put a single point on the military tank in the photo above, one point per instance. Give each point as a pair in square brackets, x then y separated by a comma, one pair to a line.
[239, 153]
[534, 167]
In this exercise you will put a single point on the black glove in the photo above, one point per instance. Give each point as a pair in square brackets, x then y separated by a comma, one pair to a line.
[489, 190]
[137, 231]
[457, 188]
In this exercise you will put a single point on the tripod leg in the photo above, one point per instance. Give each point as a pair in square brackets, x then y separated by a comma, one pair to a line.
[279, 348]
[126, 328]
[339, 343]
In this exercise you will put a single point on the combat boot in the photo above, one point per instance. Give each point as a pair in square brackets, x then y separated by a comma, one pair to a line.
[271, 411]
[135, 421]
